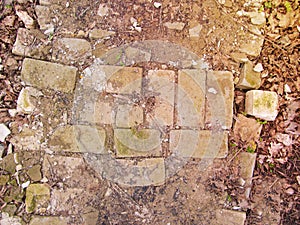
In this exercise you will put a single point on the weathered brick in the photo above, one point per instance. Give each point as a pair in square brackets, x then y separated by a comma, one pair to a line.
[199, 144]
[191, 98]
[262, 104]
[231, 217]
[30, 43]
[249, 79]
[43, 75]
[246, 163]
[71, 50]
[220, 94]
[103, 113]
[128, 116]
[48, 220]
[135, 143]
[126, 80]
[64, 139]
[161, 86]
[144, 172]
[90, 139]
[37, 198]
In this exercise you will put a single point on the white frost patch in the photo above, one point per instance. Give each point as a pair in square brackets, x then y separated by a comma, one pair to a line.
[212, 90]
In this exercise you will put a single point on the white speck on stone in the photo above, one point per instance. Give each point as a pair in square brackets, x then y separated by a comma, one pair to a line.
[212, 90]
[26, 184]
[67, 5]
[157, 5]
[287, 88]
[4, 132]
[258, 68]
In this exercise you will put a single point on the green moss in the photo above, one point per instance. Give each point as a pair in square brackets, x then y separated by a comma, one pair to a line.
[265, 101]
[122, 149]
[4, 179]
[26, 102]
[30, 203]
[140, 134]
[253, 79]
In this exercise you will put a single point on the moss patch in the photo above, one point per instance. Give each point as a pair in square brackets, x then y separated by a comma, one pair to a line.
[265, 101]
[140, 134]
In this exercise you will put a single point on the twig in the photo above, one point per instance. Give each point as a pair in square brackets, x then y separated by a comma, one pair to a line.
[235, 155]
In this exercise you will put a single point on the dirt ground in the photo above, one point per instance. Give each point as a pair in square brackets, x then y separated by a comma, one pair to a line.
[276, 179]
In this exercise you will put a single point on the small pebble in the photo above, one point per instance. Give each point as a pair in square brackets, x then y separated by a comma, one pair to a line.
[157, 5]
[26, 184]
[4, 132]
[287, 88]
[290, 191]
[258, 68]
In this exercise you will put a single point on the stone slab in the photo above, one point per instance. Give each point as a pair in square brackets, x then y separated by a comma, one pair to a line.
[104, 113]
[191, 98]
[26, 102]
[247, 129]
[135, 143]
[68, 171]
[262, 104]
[49, 220]
[63, 139]
[199, 144]
[71, 201]
[230, 217]
[37, 198]
[161, 87]
[252, 45]
[246, 162]
[71, 50]
[43, 75]
[143, 172]
[31, 43]
[249, 79]
[220, 94]
[126, 80]
[44, 18]
[128, 116]
[90, 139]
[136, 55]
[100, 34]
